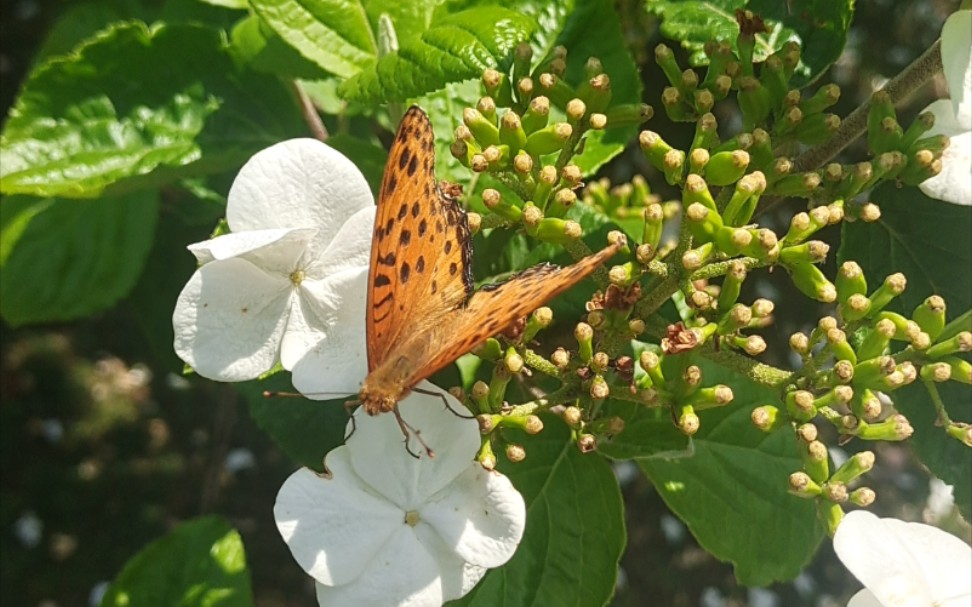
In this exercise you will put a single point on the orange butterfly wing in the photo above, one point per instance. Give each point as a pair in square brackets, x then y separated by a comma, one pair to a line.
[493, 308]
[420, 276]
[420, 255]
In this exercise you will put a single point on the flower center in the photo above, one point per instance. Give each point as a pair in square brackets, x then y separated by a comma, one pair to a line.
[296, 277]
[412, 518]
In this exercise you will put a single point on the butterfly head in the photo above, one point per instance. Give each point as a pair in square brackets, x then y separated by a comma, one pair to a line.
[377, 399]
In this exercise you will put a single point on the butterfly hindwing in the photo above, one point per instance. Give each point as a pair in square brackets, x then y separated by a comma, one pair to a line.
[492, 309]
[420, 255]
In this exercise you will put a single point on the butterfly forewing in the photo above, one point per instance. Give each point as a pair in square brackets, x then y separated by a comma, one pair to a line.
[420, 255]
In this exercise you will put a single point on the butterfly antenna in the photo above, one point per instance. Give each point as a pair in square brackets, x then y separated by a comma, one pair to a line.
[410, 431]
[445, 401]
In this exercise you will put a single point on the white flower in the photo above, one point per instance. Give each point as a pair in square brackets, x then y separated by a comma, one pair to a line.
[904, 564]
[290, 277]
[953, 117]
[390, 529]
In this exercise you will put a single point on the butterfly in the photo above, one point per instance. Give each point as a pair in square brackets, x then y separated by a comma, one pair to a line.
[422, 313]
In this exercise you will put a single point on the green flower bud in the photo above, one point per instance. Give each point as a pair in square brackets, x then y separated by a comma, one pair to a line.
[485, 456]
[741, 206]
[693, 259]
[816, 461]
[892, 286]
[584, 335]
[895, 428]
[596, 92]
[854, 308]
[813, 251]
[881, 109]
[654, 218]
[495, 203]
[719, 54]
[549, 139]
[725, 168]
[930, 315]
[816, 128]
[628, 114]
[961, 342]
[489, 350]
[755, 101]
[511, 132]
[870, 373]
[497, 86]
[706, 132]
[800, 184]
[825, 97]
[811, 282]
[702, 222]
[651, 363]
[673, 166]
[800, 405]
[687, 420]
[862, 497]
[708, 398]
[665, 58]
[536, 115]
[767, 418]
[801, 485]
[961, 370]
[554, 88]
[732, 284]
[773, 77]
[556, 230]
[850, 280]
[485, 132]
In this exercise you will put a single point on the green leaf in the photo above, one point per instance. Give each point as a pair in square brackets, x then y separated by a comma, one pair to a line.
[303, 429]
[926, 239]
[946, 457]
[263, 50]
[820, 26]
[574, 530]
[732, 493]
[201, 563]
[119, 114]
[64, 259]
[452, 47]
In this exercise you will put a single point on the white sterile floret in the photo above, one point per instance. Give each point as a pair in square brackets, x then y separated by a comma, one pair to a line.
[291, 275]
[904, 564]
[387, 528]
[953, 116]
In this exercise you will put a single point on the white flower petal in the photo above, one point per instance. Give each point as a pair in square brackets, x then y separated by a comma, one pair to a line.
[864, 598]
[458, 577]
[336, 528]
[331, 358]
[903, 564]
[229, 319]
[480, 516]
[403, 574]
[297, 183]
[954, 183]
[957, 64]
[379, 455]
[351, 247]
[281, 247]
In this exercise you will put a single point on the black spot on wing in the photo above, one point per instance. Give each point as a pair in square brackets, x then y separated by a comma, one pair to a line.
[416, 209]
[402, 211]
[404, 273]
[412, 166]
[405, 237]
[403, 158]
[382, 280]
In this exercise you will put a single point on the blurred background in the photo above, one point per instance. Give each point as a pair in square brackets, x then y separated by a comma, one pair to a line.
[105, 445]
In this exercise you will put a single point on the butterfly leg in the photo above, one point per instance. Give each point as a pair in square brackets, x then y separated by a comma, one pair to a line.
[348, 408]
[409, 431]
[445, 401]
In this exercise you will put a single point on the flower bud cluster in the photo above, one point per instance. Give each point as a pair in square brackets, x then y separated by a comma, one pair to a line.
[670, 377]
[526, 129]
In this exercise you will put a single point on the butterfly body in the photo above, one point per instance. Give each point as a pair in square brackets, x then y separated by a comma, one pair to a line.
[422, 313]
